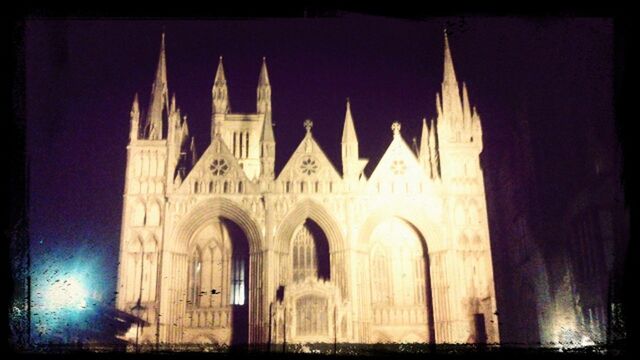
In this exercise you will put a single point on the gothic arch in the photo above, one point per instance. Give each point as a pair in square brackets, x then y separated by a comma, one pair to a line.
[309, 209]
[217, 208]
[430, 232]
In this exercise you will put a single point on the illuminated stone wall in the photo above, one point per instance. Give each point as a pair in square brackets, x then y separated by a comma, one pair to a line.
[217, 248]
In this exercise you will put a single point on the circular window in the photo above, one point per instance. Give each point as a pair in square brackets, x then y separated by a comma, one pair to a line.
[308, 166]
[219, 167]
[398, 167]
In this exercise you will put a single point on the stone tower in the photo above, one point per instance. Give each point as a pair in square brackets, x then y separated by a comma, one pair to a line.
[218, 248]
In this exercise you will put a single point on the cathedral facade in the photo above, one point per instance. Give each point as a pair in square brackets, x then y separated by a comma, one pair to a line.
[218, 248]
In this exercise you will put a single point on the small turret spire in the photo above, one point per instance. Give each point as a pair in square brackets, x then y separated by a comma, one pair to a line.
[264, 74]
[348, 130]
[466, 108]
[219, 92]
[350, 154]
[424, 155]
[135, 118]
[263, 103]
[433, 150]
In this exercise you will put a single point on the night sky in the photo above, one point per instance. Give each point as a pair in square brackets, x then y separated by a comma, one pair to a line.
[81, 77]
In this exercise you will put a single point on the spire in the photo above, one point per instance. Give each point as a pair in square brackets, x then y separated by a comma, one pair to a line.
[220, 78]
[192, 150]
[159, 97]
[434, 159]
[451, 102]
[264, 74]
[135, 119]
[173, 103]
[219, 92]
[449, 72]
[350, 154]
[263, 103]
[466, 108]
[348, 130]
[425, 158]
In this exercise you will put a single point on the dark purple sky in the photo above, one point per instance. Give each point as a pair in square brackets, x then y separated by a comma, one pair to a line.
[82, 76]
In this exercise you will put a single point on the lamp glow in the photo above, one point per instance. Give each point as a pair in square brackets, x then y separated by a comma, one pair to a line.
[69, 293]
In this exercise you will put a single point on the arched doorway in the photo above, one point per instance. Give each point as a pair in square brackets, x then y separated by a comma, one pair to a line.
[400, 285]
[217, 282]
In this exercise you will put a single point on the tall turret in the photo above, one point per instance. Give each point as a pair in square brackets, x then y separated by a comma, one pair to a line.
[458, 126]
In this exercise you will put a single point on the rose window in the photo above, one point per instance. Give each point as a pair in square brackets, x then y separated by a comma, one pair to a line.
[219, 167]
[398, 167]
[308, 166]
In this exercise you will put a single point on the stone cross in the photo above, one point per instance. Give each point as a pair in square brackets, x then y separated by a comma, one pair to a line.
[308, 124]
[395, 127]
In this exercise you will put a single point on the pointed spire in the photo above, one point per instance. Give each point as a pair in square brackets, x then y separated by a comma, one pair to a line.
[434, 159]
[424, 147]
[220, 78]
[135, 118]
[219, 92]
[466, 108]
[349, 130]
[449, 72]
[263, 102]
[452, 117]
[192, 150]
[263, 80]
[159, 97]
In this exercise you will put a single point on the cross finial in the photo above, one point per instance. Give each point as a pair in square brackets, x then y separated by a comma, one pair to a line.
[308, 124]
[395, 127]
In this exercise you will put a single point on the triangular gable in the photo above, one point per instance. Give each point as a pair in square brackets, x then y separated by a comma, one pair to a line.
[308, 161]
[217, 163]
[398, 164]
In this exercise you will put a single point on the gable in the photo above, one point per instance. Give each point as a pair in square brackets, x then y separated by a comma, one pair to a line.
[309, 162]
[216, 166]
[398, 165]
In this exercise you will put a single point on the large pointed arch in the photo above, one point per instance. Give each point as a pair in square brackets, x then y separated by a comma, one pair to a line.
[309, 209]
[217, 208]
[432, 233]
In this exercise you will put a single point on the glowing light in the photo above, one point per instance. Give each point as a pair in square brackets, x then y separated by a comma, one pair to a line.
[69, 293]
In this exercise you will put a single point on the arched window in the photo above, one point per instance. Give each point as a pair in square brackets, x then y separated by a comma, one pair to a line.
[304, 255]
[240, 187]
[195, 278]
[138, 214]
[237, 282]
[153, 215]
[381, 283]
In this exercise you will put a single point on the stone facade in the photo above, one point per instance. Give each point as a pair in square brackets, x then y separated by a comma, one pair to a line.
[218, 248]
